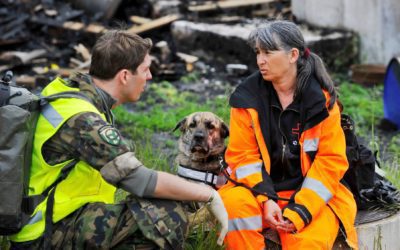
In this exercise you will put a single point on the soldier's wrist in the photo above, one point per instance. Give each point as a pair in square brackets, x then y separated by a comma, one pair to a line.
[212, 196]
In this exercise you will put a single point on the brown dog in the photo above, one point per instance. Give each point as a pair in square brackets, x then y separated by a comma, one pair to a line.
[201, 147]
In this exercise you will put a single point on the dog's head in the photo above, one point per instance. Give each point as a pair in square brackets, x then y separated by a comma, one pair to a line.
[203, 135]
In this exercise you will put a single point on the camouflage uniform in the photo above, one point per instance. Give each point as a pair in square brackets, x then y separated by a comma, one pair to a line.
[135, 223]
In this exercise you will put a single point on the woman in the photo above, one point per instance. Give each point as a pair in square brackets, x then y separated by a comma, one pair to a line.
[286, 142]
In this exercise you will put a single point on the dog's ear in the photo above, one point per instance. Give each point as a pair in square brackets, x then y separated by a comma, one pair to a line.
[224, 130]
[180, 124]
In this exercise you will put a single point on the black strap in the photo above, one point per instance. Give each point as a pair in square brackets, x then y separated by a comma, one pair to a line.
[48, 230]
[64, 172]
[5, 88]
[240, 184]
[4, 94]
[67, 94]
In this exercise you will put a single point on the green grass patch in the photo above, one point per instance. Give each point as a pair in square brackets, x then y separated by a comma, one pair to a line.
[162, 106]
[364, 105]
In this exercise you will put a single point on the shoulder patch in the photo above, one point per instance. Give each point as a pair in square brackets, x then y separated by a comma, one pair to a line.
[110, 135]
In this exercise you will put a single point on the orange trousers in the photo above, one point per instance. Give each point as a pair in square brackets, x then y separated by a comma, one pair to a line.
[246, 224]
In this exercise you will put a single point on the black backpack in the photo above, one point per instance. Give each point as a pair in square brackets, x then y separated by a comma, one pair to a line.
[369, 188]
[18, 116]
[19, 111]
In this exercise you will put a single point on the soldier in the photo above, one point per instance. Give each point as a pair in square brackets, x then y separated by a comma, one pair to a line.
[75, 209]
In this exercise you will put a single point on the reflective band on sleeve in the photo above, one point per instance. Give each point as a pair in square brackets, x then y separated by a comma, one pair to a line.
[37, 217]
[247, 170]
[249, 223]
[311, 145]
[52, 115]
[318, 187]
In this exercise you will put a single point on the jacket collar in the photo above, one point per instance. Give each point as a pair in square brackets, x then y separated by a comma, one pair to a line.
[95, 94]
[254, 92]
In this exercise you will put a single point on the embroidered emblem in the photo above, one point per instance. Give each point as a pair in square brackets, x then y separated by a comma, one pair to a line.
[110, 135]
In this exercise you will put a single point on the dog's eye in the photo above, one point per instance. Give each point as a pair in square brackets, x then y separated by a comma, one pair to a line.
[209, 125]
[192, 125]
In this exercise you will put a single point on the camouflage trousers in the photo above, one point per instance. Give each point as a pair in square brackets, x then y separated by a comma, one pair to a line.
[134, 224]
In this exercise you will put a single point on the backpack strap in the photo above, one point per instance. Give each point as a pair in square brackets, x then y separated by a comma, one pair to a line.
[48, 230]
[4, 94]
[31, 202]
[68, 94]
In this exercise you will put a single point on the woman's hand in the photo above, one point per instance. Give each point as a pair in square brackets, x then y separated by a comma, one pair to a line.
[272, 214]
[286, 226]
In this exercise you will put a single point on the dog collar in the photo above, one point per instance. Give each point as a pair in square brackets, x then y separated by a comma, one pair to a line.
[201, 176]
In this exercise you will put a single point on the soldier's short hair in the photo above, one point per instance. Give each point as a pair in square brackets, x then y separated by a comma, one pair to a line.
[116, 50]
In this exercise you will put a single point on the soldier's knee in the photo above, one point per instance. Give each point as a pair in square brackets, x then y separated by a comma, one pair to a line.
[163, 221]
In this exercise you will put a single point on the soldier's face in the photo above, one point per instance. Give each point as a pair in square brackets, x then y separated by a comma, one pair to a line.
[137, 80]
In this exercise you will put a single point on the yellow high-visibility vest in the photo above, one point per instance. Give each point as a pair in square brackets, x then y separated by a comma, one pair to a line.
[84, 184]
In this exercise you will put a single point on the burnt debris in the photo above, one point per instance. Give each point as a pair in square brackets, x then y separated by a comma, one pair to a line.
[40, 39]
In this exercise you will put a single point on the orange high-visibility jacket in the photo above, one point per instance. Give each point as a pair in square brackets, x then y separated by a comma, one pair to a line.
[323, 154]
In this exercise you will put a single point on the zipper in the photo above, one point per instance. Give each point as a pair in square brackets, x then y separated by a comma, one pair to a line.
[283, 150]
[284, 139]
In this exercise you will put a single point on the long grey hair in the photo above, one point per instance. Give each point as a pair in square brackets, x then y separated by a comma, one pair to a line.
[285, 35]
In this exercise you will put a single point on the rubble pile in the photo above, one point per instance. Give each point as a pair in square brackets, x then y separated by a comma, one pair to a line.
[40, 39]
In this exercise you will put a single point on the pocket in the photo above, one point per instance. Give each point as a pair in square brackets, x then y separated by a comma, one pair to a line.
[161, 221]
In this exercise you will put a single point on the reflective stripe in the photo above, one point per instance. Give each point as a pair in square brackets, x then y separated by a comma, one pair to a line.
[318, 187]
[197, 175]
[51, 115]
[247, 170]
[249, 223]
[311, 145]
[37, 217]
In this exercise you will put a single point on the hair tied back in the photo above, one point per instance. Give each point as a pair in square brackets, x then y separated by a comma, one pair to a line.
[306, 53]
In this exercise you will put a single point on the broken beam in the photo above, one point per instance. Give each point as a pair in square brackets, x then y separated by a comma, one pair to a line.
[227, 4]
[92, 28]
[154, 24]
[139, 19]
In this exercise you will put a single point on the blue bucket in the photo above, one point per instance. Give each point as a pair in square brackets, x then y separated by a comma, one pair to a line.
[391, 92]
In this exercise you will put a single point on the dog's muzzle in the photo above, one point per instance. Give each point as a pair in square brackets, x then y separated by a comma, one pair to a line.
[199, 143]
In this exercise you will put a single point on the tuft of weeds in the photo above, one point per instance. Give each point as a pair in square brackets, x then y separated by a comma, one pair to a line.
[202, 238]
[191, 77]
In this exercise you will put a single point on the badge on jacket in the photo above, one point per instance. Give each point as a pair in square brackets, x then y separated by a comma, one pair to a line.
[110, 135]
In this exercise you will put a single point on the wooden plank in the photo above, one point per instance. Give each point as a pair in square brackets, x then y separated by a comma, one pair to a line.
[20, 57]
[66, 72]
[92, 28]
[227, 4]
[26, 81]
[83, 51]
[139, 19]
[154, 24]
[187, 58]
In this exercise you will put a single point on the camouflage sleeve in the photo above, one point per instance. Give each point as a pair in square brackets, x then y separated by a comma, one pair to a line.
[127, 172]
[93, 140]
[88, 137]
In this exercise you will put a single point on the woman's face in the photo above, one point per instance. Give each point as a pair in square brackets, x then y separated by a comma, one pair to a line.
[273, 64]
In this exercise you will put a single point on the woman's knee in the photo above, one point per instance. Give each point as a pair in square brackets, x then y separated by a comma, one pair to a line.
[238, 200]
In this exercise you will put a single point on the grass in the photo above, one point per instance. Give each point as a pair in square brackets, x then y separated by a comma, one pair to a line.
[363, 104]
[149, 124]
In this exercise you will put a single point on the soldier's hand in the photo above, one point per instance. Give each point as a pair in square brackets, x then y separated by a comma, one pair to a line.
[217, 208]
